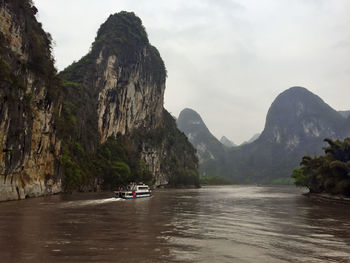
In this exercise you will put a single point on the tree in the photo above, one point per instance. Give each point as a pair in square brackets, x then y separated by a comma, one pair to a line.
[328, 173]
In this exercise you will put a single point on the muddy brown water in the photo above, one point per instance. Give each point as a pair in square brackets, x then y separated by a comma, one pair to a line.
[211, 224]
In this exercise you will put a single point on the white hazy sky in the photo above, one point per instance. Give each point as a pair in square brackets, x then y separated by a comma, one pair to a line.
[226, 59]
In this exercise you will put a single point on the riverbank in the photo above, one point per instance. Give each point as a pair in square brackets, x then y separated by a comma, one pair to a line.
[328, 198]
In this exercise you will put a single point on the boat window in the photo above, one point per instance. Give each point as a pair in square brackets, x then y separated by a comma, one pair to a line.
[143, 188]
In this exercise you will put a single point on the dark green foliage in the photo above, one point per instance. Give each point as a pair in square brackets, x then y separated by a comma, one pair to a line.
[39, 43]
[77, 168]
[76, 73]
[122, 32]
[85, 161]
[115, 163]
[119, 164]
[299, 177]
[8, 78]
[77, 118]
[329, 173]
[5, 71]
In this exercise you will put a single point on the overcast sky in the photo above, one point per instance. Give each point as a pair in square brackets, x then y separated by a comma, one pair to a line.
[226, 59]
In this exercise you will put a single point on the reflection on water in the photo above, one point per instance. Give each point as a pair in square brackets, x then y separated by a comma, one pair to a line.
[212, 224]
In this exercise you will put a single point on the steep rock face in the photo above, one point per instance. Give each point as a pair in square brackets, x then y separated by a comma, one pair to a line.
[29, 147]
[138, 102]
[170, 155]
[122, 80]
[126, 75]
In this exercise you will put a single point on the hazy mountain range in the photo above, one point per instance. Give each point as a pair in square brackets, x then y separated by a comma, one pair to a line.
[296, 124]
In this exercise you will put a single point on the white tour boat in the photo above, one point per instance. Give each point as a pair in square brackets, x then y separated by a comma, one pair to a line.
[134, 191]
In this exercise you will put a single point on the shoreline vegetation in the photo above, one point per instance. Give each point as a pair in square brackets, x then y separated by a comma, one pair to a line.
[327, 176]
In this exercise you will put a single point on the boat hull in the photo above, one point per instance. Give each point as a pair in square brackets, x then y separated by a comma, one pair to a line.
[134, 191]
[131, 197]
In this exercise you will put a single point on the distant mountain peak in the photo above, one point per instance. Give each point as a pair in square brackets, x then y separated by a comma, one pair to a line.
[191, 115]
[297, 114]
[192, 124]
[227, 142]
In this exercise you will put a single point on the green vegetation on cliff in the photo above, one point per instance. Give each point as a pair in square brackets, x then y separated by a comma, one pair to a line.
[114, 163]
[36, 55]
[28, 81]
[119, 160]
[328, 173]
[86, 162]
[39, 42]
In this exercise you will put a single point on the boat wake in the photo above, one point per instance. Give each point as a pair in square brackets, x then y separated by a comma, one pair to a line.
[90, 202]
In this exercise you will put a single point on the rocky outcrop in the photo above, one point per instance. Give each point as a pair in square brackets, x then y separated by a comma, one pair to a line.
[29, 146]
[126, 101]
[123, 79]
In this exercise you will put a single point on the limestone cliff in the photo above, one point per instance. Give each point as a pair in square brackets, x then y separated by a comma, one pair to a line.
[120, 86]
[28, 145]
[125, 90]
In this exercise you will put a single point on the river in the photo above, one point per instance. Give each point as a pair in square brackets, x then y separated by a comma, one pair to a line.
[211, 224]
